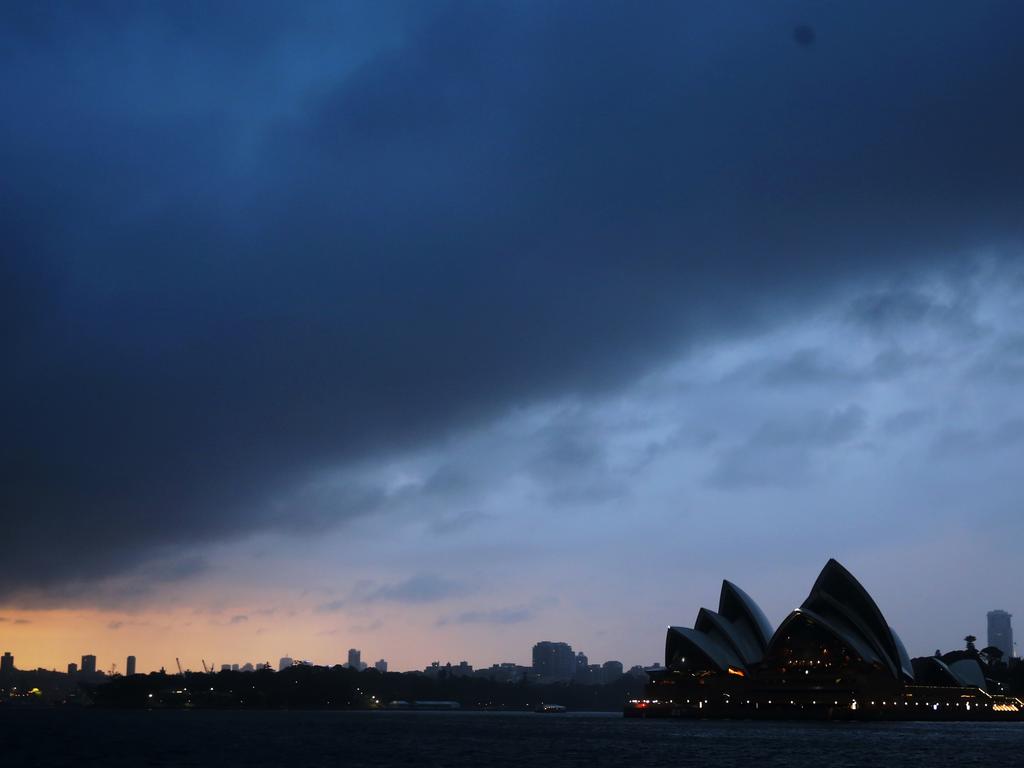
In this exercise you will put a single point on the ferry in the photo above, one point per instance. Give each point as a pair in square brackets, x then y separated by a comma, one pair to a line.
[550, 709]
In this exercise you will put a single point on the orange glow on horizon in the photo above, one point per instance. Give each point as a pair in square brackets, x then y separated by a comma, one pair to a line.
[238, 633]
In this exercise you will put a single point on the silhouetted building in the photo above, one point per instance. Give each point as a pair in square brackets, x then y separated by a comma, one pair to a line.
[72, 668]
[89, 664]
[247, 667]
[554, 661]
[506, 672]
[586, 673]
[1000, 633]
[611, 671]
[381, 666]
[355, 659]
[6, 663]
[284, 663]
[129, 667]
[226, 667]
[437, 671]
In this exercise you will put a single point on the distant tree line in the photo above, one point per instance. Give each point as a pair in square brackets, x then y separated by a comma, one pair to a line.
[308, 687]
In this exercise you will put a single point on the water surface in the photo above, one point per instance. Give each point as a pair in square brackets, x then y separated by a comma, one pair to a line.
[216, 739]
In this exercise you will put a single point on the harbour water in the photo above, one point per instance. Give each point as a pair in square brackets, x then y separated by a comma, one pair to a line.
[202, 739]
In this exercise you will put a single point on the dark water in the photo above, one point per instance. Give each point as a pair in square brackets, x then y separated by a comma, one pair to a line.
[219, 739]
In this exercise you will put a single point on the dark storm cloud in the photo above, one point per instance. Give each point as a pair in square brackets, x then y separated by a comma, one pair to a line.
[571, 463]
[457, 522]
[907, 421]
[1005, 360]
[516, 614]
[421, 588]
[242, 245]
[893, 310]
[805, 366]
[813, 367]
[129, 585]
[955, 443]
[780, 453]
[497, 616]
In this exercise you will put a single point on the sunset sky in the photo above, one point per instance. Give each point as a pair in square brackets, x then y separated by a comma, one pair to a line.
[438, 329]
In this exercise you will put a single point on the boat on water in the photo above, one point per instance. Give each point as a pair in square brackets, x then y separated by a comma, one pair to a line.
[550, 709]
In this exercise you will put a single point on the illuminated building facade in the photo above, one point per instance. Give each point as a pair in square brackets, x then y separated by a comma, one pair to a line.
[834, 657]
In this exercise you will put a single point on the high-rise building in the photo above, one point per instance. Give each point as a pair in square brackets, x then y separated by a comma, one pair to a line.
[129, 667]
[88, 664]
[284, 663]
[354, 659]
[381, 666]
[554, 661]
[6, 663]
[582, 674]
[72, 668]
[1000, 633]
[611, 671]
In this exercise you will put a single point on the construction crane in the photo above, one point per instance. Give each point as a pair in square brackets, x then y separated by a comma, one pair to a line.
[207, 670]
[178, 661]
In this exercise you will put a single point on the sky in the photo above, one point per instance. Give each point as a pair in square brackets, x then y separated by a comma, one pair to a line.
[438, 329]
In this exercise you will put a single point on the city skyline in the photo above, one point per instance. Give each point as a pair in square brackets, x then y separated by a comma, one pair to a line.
[476, 323]
[566, 665]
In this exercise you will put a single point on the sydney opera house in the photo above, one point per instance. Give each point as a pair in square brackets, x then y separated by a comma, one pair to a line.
[834, 657]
